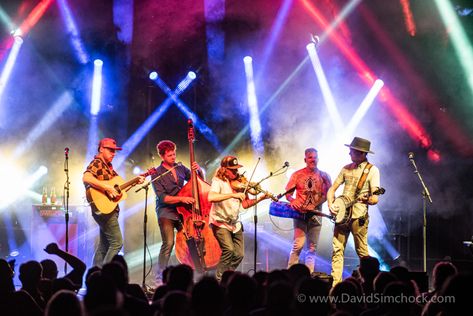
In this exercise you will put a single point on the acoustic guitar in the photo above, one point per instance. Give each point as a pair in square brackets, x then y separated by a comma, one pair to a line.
[104, 203]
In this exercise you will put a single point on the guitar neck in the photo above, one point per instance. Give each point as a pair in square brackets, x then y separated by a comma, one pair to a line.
[129, 183]
[380, 191]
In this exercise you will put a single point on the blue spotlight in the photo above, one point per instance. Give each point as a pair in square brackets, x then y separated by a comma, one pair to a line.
[96, 87]
[73, 32]
[92, 139]
[8, 67]
[214, 11]
[53, 114]
[173, 97]
[255, 123]
[144, 129]
[276, 28]
[153, 75]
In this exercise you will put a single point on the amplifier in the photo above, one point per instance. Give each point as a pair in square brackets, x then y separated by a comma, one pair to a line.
[49, 225]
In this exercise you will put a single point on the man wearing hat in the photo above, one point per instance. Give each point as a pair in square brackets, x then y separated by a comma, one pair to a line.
[355, 186]
[99, 170]
[224, 214]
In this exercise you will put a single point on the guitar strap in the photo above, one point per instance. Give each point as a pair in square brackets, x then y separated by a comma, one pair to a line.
[363, 177]
[361, 182]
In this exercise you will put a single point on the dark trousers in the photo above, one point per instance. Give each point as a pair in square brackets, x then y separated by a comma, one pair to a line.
[232, 246]
[110, 238]
[166, 227]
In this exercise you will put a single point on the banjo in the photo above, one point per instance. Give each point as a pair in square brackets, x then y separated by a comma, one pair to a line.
[345, 204]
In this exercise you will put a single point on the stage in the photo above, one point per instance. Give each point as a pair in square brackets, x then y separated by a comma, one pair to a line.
[262, 80]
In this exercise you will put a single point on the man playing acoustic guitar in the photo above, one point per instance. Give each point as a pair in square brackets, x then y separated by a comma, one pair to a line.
[311, 192]
[99, 171]
[361, 182]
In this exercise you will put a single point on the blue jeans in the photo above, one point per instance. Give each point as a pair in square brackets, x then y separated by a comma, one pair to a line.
[232, 246]
[305, 233]
[166, 227]
[110, 239]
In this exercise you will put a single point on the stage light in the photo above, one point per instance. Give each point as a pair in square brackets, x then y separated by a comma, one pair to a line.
[153, 75]
[6, 20]
[460, 40]
[173, 97]
[408, 17]
[192, 75]
[8, 67]
[255, 123]
[215, 36]
[324, 87]
[396, 107]
[96, 87]
[34, 16]
[73, 32]
[93, 139]
[54, 112]
[363, 108]
[18, 183]
[130, 145]
[137, 170]
[274, 33]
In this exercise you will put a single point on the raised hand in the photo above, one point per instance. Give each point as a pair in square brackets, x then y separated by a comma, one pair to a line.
[52, 248]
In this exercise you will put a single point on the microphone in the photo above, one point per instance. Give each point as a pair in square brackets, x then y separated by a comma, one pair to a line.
[410, 155]
[286, 164]
[66, 151]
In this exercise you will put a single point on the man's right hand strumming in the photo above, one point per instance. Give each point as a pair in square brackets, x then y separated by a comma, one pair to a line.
[111, 192]
[333, 208]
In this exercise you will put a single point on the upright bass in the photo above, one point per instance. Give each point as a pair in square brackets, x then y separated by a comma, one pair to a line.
[196, 245]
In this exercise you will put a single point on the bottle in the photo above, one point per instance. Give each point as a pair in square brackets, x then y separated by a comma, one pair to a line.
[44, 197]
[53, 195]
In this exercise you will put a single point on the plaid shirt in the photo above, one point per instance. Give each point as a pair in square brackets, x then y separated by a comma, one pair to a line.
[100, 170]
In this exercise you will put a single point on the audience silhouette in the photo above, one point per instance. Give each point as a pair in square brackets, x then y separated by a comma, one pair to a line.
[292, 291]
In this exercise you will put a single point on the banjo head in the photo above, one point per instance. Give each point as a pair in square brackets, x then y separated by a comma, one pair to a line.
[342, 202]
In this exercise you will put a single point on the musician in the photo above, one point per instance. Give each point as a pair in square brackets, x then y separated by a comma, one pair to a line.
[99, 170]
[166, 188]
[311, 192]
[351, 177]
[224, 214]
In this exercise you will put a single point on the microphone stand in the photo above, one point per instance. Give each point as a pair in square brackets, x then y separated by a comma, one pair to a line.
[255, 218]
[145, 186]
[66, 202]
[425, 196]
[271, 174]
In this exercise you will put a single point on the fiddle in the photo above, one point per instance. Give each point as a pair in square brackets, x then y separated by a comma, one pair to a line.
[241, 184]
